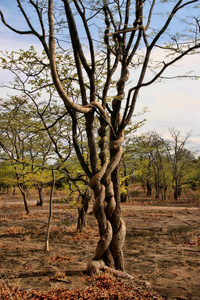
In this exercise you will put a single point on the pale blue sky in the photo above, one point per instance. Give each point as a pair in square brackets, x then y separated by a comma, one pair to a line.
[173, 103]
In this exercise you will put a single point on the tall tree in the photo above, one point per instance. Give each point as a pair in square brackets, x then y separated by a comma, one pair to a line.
[129, 34]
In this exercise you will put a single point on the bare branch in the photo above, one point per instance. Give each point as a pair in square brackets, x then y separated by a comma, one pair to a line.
[55, 76]
[12, 28]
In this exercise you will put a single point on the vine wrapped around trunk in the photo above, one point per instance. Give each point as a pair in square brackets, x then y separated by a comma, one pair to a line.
[111, 241]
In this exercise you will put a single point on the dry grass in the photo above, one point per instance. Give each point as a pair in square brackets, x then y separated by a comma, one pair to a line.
[99, 287]
[162, 248]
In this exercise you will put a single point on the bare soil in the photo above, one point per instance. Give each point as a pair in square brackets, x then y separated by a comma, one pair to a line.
[162, 248]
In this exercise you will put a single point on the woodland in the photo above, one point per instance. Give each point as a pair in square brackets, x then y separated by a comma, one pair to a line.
[69, 148]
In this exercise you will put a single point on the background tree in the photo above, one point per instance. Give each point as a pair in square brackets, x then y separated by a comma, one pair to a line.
[47, 248]
[193, 176]
[178, 158]
[147, 155]
[128, 165]
[53, 117]
[7, 176]
[126, 30]
[26, 152]
[157, 162]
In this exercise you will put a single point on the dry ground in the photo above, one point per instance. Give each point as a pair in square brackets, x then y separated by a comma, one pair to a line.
[162, 248]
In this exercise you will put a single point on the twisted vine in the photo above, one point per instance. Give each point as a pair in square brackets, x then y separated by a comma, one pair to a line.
[105, 227]
[120, 232]
[104, 193]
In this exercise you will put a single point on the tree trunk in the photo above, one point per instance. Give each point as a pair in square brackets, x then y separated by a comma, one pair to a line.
[125, 196]
[82, 211]
[157, 190]
[50, 213]
[116, 222]
[177, 189]
[175, 194]
[40, 191]
[105, 229]
[13, 190]
[106, 187]
[23, 192]
[148, 188]
[164, 191]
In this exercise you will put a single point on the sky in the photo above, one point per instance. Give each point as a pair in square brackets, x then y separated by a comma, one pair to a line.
[174, 104]
[171, 103]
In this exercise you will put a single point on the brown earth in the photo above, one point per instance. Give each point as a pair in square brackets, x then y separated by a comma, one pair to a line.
[162, 248]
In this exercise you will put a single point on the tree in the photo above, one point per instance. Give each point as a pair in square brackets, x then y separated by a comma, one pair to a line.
[7, 177]
[50, 212]
[127, 39]
[22, 148]
[157, 163]
[40, 180]
[193, 177]
[52, 118]
[128, 164]
[178, 158]
[147, 154]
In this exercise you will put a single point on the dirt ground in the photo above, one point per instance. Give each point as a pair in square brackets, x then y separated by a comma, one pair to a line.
[162, 248]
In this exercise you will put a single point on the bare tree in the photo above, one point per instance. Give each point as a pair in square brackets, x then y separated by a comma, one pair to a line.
[126, 30]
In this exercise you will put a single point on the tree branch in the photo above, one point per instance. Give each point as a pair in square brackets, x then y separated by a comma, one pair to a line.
[69, 103]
